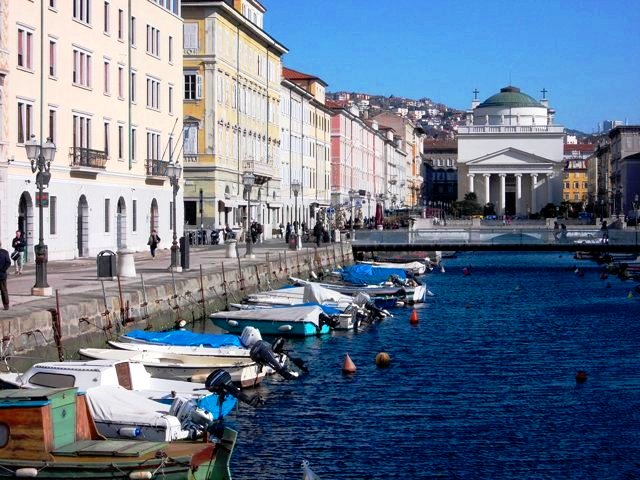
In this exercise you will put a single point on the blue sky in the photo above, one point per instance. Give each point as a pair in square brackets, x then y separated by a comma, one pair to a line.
[586, 53]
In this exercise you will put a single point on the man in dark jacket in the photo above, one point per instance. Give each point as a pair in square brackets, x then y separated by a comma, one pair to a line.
[18, 245]
[317, 232]
[5, 263]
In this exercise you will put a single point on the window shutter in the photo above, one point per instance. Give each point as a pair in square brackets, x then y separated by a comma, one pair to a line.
[190, 31]
[198, 86]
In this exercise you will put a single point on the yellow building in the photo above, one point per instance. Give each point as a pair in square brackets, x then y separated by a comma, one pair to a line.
[232, 71]
[575, 177]
[102, 79]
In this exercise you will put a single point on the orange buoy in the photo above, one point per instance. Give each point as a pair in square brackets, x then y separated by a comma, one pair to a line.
[348, 366]
[581, 376]
[413, 319]
[466, 271]
[383, 359]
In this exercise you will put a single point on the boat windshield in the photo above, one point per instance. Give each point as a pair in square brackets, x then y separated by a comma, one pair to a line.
[52, 380]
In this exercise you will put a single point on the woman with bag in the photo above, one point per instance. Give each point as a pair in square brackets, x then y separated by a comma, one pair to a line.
[153, 242]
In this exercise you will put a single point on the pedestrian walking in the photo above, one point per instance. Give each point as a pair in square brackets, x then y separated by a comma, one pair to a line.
[604, 230]
[317, 232]
[18, 244]
[153, 242]
[5, 264]
[287, 234]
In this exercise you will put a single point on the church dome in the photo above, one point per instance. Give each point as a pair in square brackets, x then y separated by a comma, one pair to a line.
[510, 97]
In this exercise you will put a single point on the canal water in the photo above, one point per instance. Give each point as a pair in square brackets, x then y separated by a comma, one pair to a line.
[484, 387]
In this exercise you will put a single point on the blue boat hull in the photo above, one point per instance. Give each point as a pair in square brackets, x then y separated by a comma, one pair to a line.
[283, 329]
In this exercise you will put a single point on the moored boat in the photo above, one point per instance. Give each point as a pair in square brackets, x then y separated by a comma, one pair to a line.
[245, 373]
[284, 321]
[49, 433]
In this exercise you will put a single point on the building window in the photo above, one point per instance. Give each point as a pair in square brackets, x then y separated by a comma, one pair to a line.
[153, 146]
[170, 99]
[81, 131]
[192, 86]
[52, 4]
[53, 203]
[107, 86]
[120, 24]
[106, 138]
[133, 144]
[190, 140]
[81, 11]
[107, 27]
[120, 142]
[25, 48]
[25, 121]
[53, 70]
[190, 32]
[153, 41]
[153, 93]
[52, 125]
[107, 215]
[132, 31]
[133, 87]
[170, 49]
[81, 68]
[135, 215]
[120, 81]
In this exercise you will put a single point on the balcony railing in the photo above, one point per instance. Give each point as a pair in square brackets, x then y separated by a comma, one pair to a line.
[156, 168]
[85, 157]
[263, 170]
[491, 129]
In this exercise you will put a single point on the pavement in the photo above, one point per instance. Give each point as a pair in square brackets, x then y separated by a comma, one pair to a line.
[78, 277]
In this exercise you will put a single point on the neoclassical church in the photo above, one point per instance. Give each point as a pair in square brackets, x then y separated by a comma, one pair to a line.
[510, 153]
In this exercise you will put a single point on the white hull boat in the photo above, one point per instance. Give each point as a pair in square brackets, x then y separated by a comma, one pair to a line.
[245, 373]
[416, 268]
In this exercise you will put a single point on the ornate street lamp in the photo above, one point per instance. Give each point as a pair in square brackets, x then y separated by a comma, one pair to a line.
[636, 208]
[369, 205]
[41, 157]
[295, 187]
[174, 170]
[248, 180]
[353, 195]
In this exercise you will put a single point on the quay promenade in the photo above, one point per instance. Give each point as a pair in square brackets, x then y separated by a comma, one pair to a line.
[87, 311]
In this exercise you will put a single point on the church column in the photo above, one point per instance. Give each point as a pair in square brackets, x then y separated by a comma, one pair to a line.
[503, 177]
[549, 192]
[518, 193]
[534, 186]
[487, 192]
[471, 175]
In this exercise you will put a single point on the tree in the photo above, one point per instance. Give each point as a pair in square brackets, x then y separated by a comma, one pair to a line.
[549, 211]
[469, 206]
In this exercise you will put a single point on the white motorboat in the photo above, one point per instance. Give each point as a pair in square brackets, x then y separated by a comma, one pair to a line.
[416, 268]
[245, 373]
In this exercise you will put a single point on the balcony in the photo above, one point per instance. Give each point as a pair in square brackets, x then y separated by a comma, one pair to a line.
[263, 171]
[156, 171]
[85, 162]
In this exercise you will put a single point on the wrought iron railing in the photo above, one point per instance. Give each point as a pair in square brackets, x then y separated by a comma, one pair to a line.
[156, 168]
[86, 157]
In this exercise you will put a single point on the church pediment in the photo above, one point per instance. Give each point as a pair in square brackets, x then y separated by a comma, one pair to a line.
[509, 156]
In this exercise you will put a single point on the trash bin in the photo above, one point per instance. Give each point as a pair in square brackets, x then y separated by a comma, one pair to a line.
[184, 254]
[107, 264]
[230, 249]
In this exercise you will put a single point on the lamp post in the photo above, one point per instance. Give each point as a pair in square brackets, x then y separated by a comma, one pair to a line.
[369, 206]
[295, 187]
[636, 208]
[248, 180]
[41, 157]
[174, 170]
[352, 197]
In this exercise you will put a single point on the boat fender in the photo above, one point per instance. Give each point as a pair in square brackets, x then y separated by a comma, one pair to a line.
[141, 475]
[219, 381]
[232, 323]
[27, 472]
[130, 432]
[285, 328]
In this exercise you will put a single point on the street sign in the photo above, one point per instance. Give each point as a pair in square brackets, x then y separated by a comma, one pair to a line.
[331, 211]
[358, 203]
[45, 199]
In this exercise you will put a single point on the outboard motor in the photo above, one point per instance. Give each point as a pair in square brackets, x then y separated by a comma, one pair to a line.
[219, 381]
[261, 352]
[192, 419]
